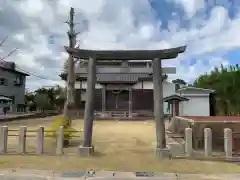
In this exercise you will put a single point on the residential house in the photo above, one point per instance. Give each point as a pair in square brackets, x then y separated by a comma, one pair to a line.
[12, 87]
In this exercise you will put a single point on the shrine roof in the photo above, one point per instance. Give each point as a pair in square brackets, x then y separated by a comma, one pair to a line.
[130, 63]
[175, 97]
[126, 54]
[118, 78]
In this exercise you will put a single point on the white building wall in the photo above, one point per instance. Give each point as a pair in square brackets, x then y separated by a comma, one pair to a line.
[168, 88]
[198, 105]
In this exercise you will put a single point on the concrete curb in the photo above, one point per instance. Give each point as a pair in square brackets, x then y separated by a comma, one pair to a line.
[27, 174]
[28, 116]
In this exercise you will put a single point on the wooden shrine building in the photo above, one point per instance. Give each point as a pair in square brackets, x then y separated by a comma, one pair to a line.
[122, 87]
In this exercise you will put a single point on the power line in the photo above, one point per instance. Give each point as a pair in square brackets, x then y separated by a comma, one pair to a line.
[33, 74]
[30, 73]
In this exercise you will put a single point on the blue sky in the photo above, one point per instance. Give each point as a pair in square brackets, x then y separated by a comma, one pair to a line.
[210, 29]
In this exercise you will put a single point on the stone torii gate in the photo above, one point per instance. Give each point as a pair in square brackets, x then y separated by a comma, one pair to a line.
[155, 55]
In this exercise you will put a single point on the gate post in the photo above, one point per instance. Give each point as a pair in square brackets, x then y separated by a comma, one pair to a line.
[40, 140]
[22, 139]
[4, 139]
[158, 103]
[208, 141]
[228, 142]
[87, 148]
[60, 141]
[188, 142]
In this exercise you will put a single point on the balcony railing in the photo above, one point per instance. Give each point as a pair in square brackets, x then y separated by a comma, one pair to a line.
[127, 70]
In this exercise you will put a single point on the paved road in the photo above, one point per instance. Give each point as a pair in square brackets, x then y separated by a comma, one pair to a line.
[29, 121]
[9, 177]
[106, 175]
[11, 115]
[163, 177]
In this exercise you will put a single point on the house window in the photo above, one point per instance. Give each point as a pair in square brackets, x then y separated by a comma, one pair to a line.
[18, 81]
[3, 81]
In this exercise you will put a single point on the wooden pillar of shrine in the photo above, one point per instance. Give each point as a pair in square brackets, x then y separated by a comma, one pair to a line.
[103, 98]
[130, 102]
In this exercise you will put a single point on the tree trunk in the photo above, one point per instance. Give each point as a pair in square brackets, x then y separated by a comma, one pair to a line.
[70, 99]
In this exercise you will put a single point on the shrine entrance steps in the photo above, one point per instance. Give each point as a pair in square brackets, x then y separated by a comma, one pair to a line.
[120, 115]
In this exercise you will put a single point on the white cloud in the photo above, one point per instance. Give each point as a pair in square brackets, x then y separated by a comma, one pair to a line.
[31, 8]
[125, 24]
[191, 6]
[19, 37]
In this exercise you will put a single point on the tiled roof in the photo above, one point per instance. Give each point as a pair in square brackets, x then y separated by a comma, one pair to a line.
[11, 67]
[175, 97]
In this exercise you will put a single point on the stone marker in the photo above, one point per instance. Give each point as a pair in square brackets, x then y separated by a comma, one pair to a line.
[22, 139]
[228, 142]
[40, 140]
[188, 142]
[60, 139]
[3, 139]
[163, 153]
[207, 142]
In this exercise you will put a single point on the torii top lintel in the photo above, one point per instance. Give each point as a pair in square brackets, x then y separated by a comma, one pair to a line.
[126, 54]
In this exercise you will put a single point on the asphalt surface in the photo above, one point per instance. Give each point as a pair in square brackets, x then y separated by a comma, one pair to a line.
[9, 177]
[25, 174]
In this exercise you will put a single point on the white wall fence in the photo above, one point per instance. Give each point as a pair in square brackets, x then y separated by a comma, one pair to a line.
[40, 136]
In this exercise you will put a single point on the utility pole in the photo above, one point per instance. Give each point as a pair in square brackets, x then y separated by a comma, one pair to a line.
[70, 94]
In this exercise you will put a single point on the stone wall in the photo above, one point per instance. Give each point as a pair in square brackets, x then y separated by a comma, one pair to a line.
[179, 124]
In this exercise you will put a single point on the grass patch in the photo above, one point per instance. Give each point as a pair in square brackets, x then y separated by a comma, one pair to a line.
[120, 146]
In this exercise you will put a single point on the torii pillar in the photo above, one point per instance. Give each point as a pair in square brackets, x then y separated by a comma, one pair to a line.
[87, 148]
[158, 104]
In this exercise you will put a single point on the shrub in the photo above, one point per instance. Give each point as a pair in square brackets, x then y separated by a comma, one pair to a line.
[54, 127]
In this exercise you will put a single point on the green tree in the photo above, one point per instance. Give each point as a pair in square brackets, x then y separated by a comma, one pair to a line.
[30, 101]
[46, 98]
[226, 82]
[42, 101]
[179, 81]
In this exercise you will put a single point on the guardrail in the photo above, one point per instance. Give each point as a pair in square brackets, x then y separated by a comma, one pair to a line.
[40, 135]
